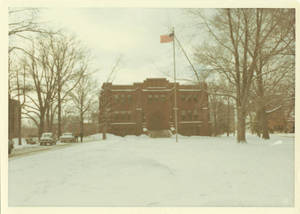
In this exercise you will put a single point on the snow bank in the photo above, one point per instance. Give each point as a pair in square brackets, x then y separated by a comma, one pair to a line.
[23, 144]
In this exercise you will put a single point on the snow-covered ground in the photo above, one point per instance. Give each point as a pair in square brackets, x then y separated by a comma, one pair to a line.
[142, 171]
[23, 143]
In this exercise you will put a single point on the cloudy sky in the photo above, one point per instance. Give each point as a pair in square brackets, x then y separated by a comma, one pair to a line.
[133, 34]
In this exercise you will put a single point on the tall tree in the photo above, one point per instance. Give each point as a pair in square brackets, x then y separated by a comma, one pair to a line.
[43, 81]
[69, 62]
[105, 100]
[237, 39]
[22, 26]
[83, 96]
[275, 62]
[55, 66]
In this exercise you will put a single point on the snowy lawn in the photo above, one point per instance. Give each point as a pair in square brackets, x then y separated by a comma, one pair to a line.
[141, 171]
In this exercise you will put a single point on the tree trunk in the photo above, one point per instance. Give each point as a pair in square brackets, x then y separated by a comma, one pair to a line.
[20, 125]
[59, 114]
[47, 120]
[41, 126]
[263, 120]
[104, 132]
[228, 118]
[59, 103]
[51, 119]
[215, 122]
[264, 124]
[241, 125]
[81, 127]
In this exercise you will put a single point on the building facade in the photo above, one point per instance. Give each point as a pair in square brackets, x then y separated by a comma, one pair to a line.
[14, 111]
[132, 109]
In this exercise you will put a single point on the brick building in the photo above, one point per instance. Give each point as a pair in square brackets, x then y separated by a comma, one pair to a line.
[14, 111]
[129, 109]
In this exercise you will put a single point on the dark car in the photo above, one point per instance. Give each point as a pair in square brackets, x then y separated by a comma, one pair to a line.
[31, 140]
[10, 146]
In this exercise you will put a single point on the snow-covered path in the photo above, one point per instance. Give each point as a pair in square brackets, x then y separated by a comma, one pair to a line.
[140, 171]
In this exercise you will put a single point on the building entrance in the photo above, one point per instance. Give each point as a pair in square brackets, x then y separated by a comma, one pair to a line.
[157, 121]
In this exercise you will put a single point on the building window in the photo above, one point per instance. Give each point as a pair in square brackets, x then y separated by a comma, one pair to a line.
[156, 97]
[189, 98]
[116, 115]
[124, 115]
[129, 98]
[195, 114]
[129, 115]
[163, 97]
[183, 115]
[189, 115]
[149, 98]
[122, 98]
[195, 98]
[116, 98]
[182, 98]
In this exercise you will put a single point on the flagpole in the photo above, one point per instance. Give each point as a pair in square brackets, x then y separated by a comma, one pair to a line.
[175, 89]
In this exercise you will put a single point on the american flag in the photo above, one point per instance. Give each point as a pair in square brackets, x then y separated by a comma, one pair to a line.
[166, 38]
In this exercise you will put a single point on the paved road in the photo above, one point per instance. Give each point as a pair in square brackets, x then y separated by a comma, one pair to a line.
[35, 149]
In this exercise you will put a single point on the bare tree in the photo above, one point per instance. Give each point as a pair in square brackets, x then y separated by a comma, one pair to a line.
[275, 62]
[43, 81]
[221, 108]
[68, 62]
[22, 28]
[55, 65]
[83, 97]
[238, 37]
[105, 100]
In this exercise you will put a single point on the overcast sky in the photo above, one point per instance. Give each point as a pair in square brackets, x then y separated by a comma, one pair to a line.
[133, 33]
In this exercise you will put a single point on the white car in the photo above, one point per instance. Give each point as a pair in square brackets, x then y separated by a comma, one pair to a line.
[47, 138]
[67, 138]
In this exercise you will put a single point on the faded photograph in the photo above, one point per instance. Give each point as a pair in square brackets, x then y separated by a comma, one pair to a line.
[142, 107]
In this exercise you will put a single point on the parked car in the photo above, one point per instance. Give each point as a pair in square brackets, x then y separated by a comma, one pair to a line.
[47, 138]
[67, 138]
[10, 146]
[31, 140]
